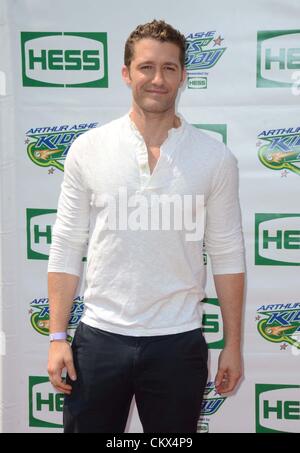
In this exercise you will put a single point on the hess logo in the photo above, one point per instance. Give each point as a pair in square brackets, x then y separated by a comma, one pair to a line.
[45, 405]
[64, 59]
[277, 239]
[278, 56]
[39, 224]
[277, 408]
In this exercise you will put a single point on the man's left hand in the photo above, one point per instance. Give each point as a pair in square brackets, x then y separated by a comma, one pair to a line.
[229, 370]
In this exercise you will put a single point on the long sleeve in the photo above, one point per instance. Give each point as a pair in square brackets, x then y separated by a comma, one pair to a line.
[71, 229]
[223, 237]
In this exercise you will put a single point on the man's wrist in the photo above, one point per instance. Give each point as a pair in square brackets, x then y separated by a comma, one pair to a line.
[233, 346]
[57, 336]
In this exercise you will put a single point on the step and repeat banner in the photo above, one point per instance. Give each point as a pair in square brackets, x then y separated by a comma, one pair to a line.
[60, 75]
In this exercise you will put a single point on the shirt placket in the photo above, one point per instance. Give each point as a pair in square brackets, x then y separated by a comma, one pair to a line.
[162, 168]
[143, 164]
[146, 178]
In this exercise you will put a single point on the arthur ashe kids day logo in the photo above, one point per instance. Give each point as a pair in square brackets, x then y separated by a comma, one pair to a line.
[211, 404]
[203, 51]
[280, 323]
[39, 315]
[278, 57]
[60, 59]
[49, 146]
[279, 149]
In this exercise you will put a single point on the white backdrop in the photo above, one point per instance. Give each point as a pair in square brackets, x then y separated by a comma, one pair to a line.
[243, 88]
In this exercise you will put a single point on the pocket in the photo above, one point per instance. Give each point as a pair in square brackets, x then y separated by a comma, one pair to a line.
[199, 345]
[204, 346]
[75, 338]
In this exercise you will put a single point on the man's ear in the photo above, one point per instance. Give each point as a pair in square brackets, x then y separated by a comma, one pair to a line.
[126, 75]
[183, 76]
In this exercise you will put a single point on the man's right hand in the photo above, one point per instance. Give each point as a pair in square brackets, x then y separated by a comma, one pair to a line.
[60, 357]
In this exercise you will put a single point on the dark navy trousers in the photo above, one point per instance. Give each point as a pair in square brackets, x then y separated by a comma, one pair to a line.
[166, 373]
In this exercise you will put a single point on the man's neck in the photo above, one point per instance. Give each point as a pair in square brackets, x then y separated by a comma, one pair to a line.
[154, 127]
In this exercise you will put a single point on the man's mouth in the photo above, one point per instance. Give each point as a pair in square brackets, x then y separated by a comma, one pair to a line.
[156, 91]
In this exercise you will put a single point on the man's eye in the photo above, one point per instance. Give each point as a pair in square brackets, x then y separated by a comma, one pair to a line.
[170, 68]
[146, 67]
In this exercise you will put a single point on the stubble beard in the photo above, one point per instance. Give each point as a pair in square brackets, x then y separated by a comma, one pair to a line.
[155, 107]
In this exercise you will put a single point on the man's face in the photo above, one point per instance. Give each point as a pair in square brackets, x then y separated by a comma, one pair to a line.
[155, 75]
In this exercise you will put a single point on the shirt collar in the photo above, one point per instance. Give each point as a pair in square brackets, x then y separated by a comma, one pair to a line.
[174, 131]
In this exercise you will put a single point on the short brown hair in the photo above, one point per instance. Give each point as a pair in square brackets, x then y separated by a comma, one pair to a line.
[159, 30]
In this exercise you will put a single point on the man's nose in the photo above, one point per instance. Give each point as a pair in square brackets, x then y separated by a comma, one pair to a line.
[158, 77]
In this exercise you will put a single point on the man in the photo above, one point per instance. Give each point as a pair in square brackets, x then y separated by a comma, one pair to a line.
[141, 331]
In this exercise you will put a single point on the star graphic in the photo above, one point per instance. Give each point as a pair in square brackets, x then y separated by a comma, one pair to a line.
[30, 311]
[257, 318]
[283, 347]
[27, 141]
[284, 174]
[51, 171]
[258, 143]
[218, 41]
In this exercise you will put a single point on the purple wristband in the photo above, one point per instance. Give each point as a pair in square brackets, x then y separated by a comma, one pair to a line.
[58, 336]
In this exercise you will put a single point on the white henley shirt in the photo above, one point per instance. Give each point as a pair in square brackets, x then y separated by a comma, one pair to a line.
[144, 282]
